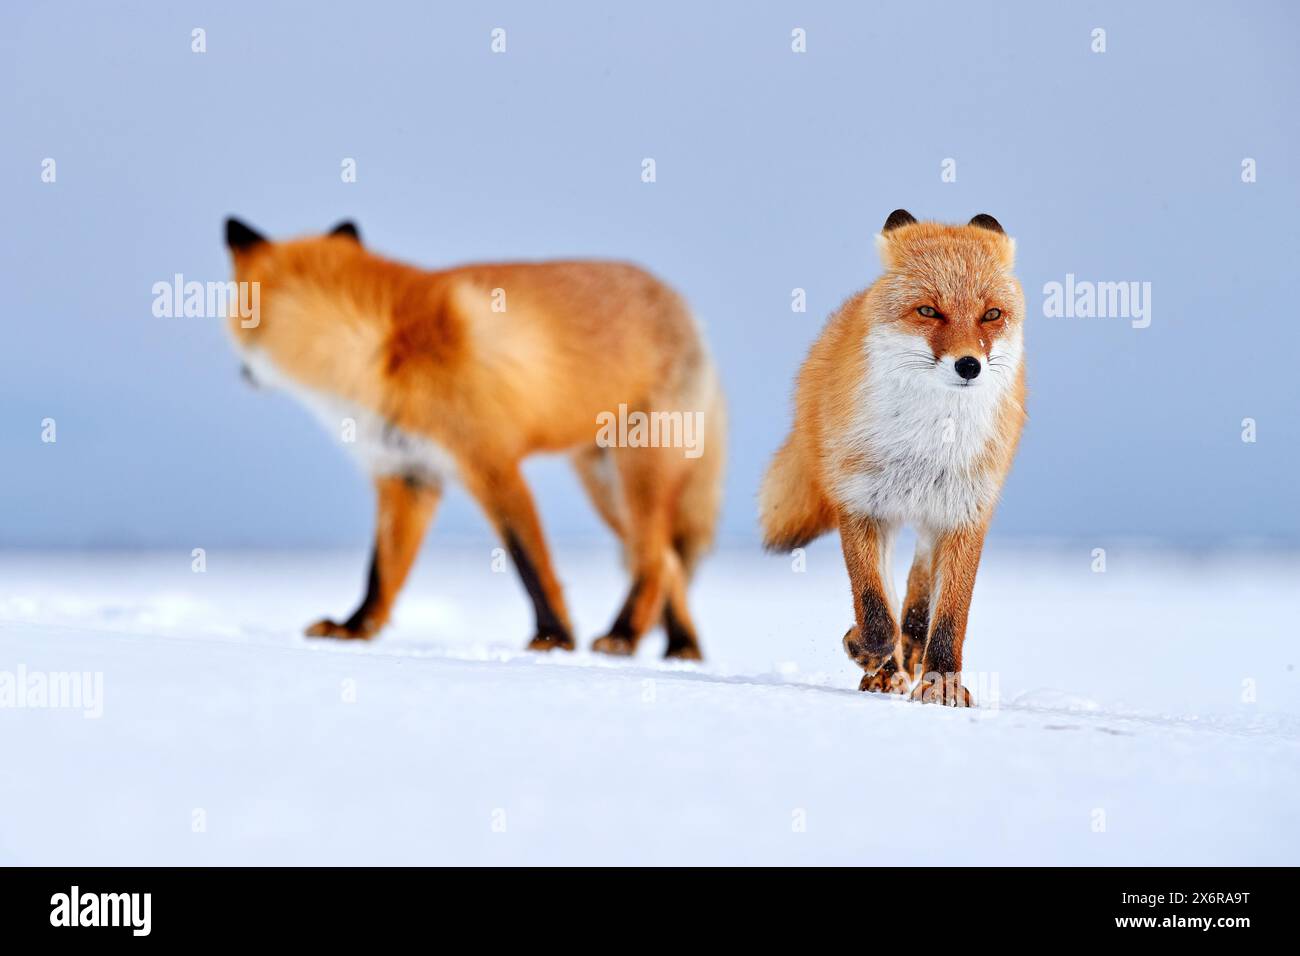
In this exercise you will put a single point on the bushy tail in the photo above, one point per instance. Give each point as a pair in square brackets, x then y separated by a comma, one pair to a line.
[791, 506]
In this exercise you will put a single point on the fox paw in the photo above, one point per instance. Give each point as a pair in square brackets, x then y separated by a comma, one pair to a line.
[870, 659]
[683, 651]
[943, 689]
[551, 642]
[615, 645]
[887, 680]
[327, 628]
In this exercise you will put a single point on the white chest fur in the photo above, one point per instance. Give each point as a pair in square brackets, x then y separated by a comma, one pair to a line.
[913, 453]
[378, 445]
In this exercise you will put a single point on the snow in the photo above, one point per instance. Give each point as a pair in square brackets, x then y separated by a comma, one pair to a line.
[1145, 715]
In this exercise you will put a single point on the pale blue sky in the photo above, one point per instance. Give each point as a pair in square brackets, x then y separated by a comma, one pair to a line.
[775, 170]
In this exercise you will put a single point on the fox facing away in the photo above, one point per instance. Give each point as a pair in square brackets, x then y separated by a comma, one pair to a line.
[464, 372]
[908, 410]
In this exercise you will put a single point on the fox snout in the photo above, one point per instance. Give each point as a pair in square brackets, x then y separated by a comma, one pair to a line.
[967, 367]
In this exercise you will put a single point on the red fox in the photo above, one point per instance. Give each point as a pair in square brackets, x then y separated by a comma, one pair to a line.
[464, 372]
[908, 410]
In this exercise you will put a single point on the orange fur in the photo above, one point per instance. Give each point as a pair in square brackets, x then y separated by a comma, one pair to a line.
[849, 463]
[426, 353]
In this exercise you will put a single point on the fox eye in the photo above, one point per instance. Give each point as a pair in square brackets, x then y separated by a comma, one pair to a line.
[928, 312]
[992, 315]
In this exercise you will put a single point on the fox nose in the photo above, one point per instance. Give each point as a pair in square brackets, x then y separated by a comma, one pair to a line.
[967, 367]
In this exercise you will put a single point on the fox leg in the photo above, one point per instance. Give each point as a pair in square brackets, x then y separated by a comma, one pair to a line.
[596, 468]
[648, 488]
[599, 477]
[682, 640]
[639, 612]
[505, 497]
[403, 512]
[916, 605]
[956, 559]
[873, 642]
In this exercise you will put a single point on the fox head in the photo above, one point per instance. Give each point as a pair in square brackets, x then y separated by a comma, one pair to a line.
[948, 301]
[297, 287]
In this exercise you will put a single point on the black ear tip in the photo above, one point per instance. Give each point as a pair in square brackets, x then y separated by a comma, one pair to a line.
[240, 236]
[347, 228]
[899, 217]
[985, 221]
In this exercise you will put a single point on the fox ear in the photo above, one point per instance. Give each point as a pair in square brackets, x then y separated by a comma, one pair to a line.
[347, 228]
[985, 221]
[899, 217]
[240, 236]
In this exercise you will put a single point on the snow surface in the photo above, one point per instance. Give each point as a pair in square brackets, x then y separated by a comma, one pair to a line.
[1148, 714]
